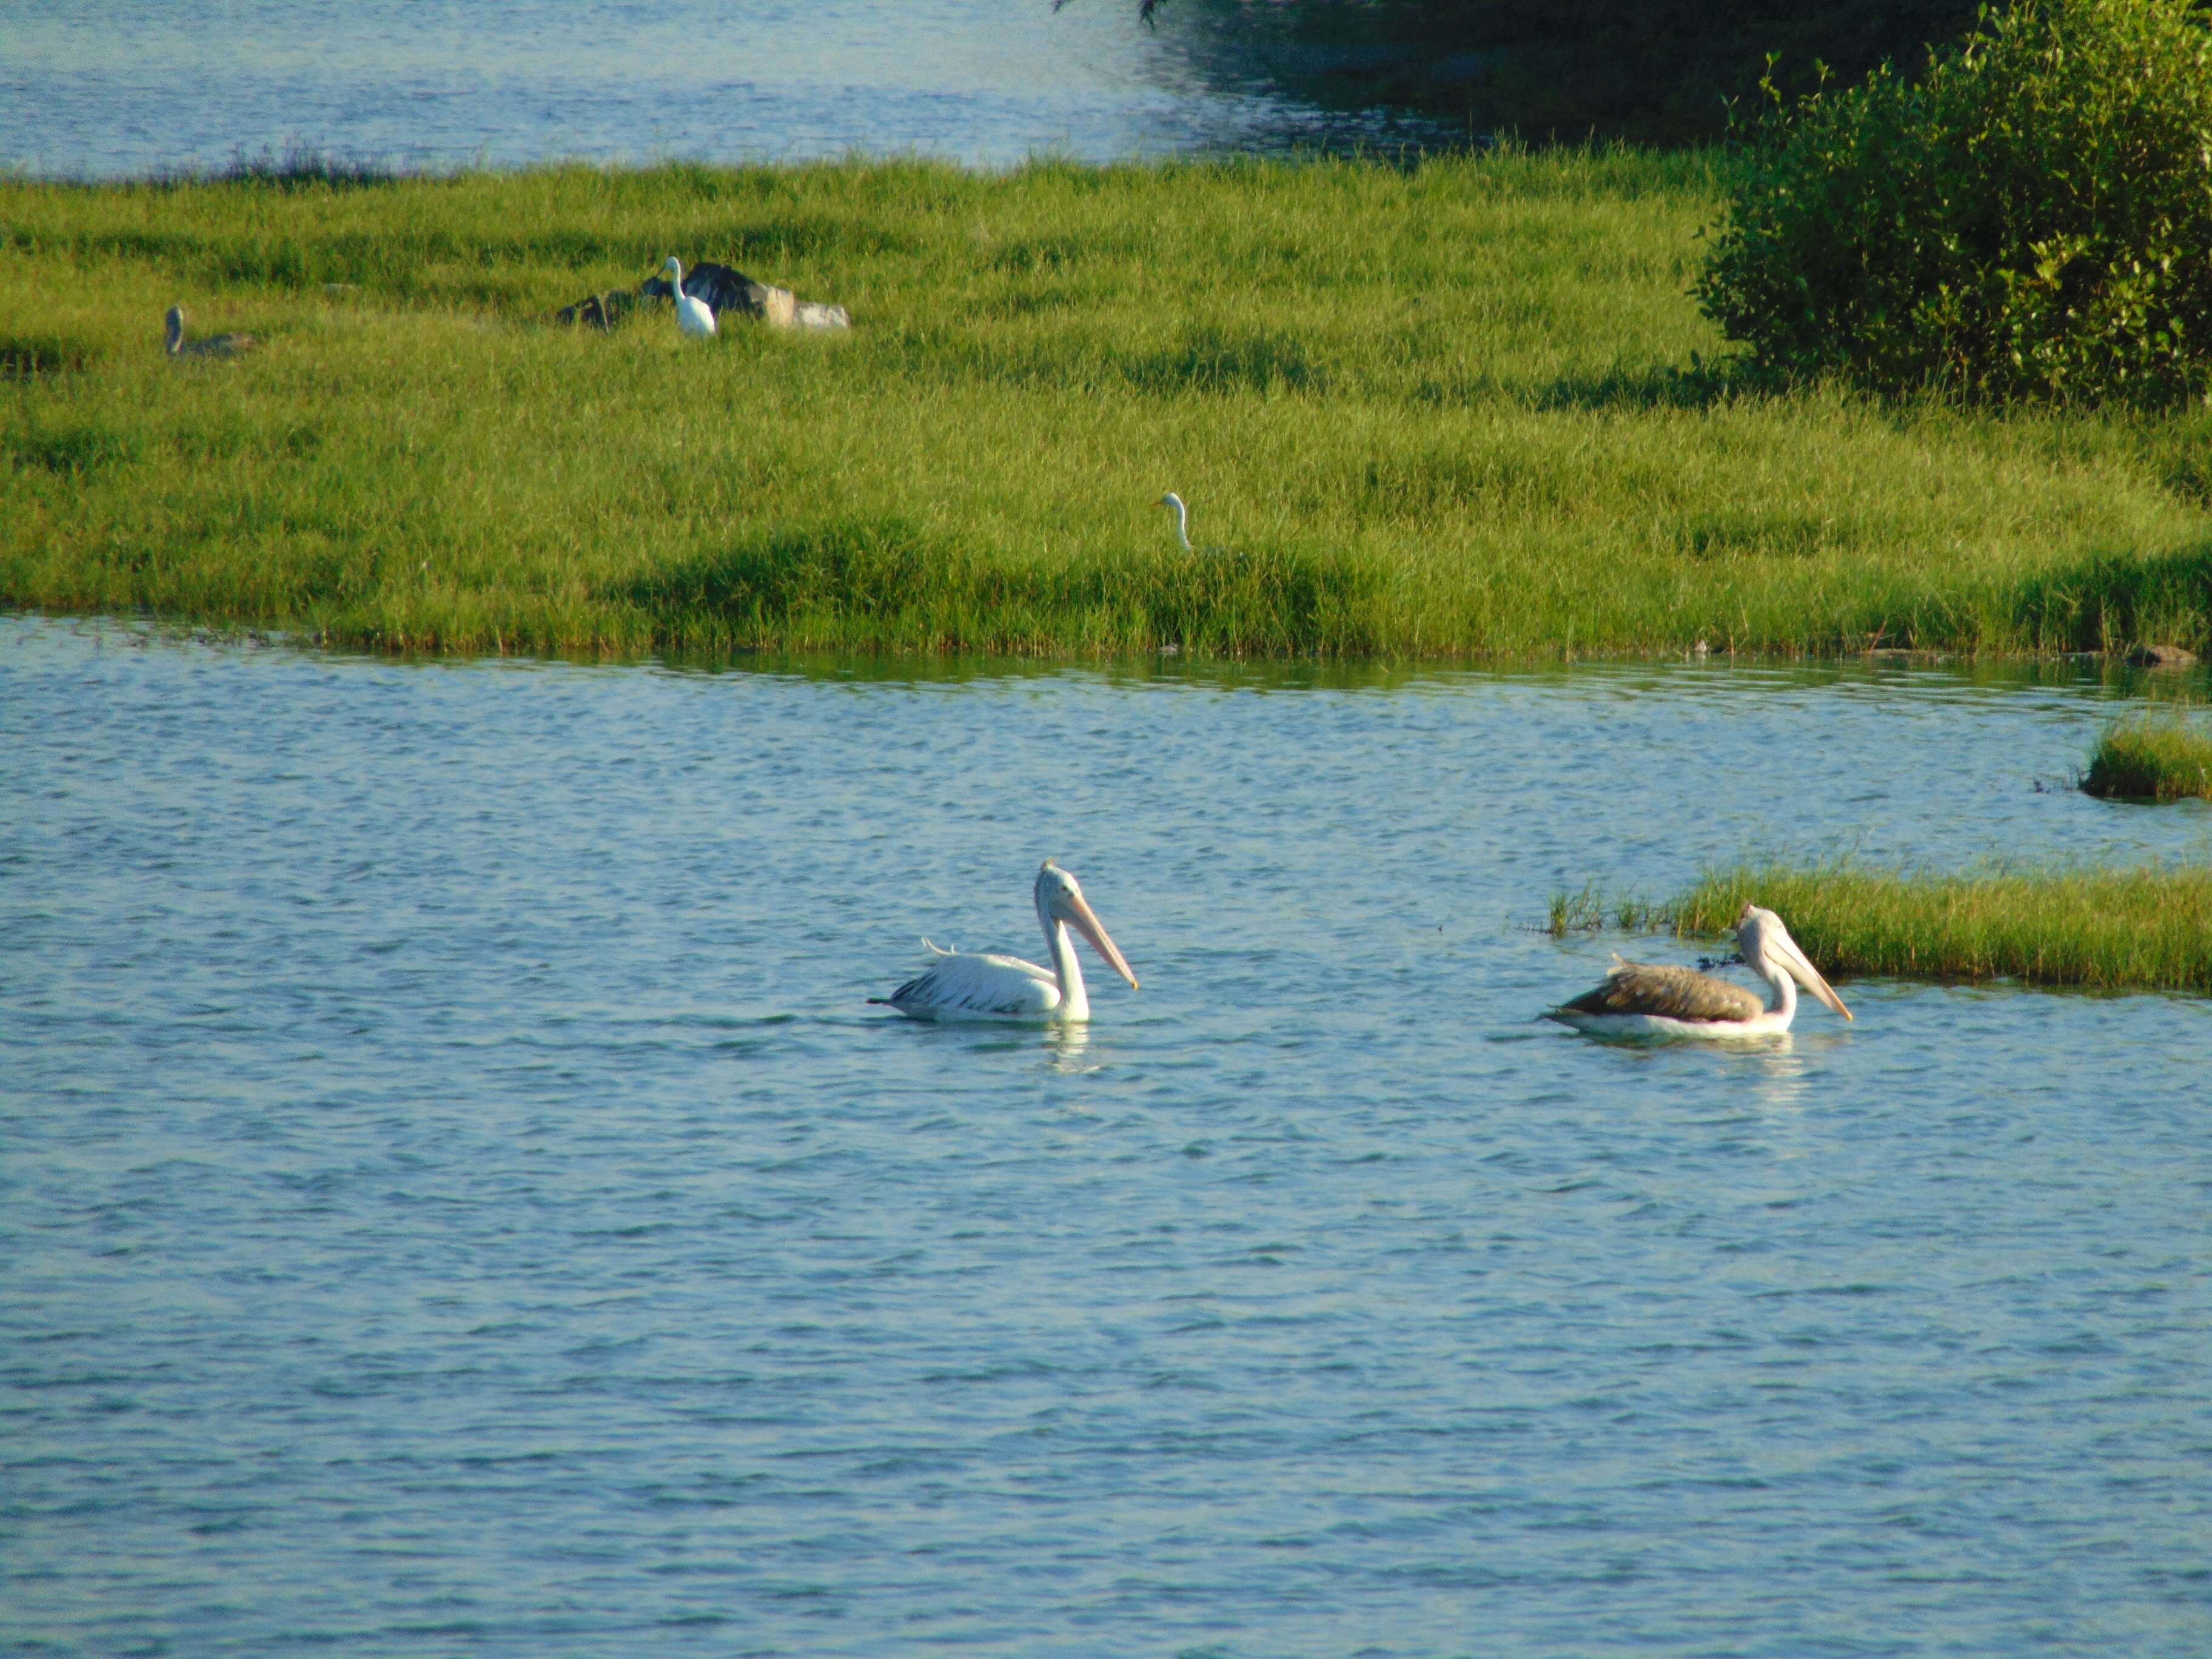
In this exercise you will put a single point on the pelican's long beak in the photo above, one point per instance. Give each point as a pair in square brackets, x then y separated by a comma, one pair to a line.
[1806, 975]
[1087, 924]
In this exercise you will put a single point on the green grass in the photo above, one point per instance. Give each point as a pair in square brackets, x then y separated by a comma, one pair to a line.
[2158, 754]
[1459, 409]
[2140, 929]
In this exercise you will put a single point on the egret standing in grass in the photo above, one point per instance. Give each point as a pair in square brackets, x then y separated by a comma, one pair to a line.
[987, 986]
[692, 315]
[1644, 999]
[1182, 519]
[215, 345]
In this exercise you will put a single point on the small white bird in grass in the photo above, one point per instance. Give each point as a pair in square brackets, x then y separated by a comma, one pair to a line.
[692, 316]
[987, 985]
[1644, 999]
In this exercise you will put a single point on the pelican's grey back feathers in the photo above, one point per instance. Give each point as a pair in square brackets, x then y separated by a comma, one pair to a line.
[1671, 993]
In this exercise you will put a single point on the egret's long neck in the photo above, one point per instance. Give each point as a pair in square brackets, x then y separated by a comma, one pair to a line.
[1074, 1000]
[175, 332]
[1183, 525]
[676, 284]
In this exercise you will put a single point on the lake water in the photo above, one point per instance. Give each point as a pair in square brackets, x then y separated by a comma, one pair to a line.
[135, 86]
[456, 1197]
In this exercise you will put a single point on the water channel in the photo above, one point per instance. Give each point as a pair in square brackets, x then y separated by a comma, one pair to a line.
[456, 1197]
[140, 87]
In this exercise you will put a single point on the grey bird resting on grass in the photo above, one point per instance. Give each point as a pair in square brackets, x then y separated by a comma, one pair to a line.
[215, 345]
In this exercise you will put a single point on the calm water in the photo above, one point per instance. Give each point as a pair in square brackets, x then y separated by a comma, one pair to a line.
[456, 1198]
[138, 85]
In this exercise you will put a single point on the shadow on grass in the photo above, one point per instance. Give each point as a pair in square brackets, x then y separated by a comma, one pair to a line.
[890, 582]
[74, 451]
[2114, 600]
[35, 356]
[1212, 360]
[1658, 385]
[1208, 361]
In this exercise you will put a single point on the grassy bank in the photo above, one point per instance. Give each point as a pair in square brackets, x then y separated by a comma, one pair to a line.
[1451, 411]
[2159, 754]
[2140, 929]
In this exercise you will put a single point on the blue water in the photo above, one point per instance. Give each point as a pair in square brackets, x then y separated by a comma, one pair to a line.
[455, 1198]
[137, 87]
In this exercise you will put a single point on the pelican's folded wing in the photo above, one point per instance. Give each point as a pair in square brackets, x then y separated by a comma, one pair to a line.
[982, 984]
[1643, 988]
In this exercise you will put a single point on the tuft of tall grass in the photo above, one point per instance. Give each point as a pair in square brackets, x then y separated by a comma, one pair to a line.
[1460, 408]
[2148, 928]
[2156, 754]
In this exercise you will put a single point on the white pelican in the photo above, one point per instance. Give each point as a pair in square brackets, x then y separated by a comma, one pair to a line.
[1182, 519]
[990, 986]
[691, 314]
[1642, 1000]
[218, 345]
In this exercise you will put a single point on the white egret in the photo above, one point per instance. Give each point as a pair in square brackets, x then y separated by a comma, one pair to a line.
[1645, 999]
[692, 315]
[992, 987]
[1182, 519]
[215, 345]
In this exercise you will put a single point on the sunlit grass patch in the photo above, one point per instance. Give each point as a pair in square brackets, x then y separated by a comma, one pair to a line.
[2146, 928]
[1465, 409]
[2160, 753]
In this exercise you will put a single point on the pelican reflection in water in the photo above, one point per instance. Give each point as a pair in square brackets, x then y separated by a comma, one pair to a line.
[1643, 1000]
[987, 986]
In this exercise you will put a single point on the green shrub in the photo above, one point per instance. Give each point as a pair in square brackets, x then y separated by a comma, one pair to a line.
[2032, 217]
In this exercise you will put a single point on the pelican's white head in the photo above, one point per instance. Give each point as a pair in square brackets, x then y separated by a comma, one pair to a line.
[1768, 948]
[174, 324]
[1059, 899]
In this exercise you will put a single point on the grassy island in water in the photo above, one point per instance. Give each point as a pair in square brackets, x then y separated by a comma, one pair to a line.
[1460, 408]
[2115, 930]
[2159, 753]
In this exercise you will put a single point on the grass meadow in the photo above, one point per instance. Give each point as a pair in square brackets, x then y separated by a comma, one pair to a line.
[2122, 929]
[1460, 408]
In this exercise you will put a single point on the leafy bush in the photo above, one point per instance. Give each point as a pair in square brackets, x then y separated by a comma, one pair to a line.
[2032, 217]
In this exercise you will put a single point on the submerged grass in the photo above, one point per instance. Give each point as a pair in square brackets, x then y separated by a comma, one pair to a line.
[2158, 753]
[1464, 408]
[2148, 928]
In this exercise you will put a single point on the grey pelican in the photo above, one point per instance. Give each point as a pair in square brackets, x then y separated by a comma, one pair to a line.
[691, 314]
[1650, 1000]
[992, 986]
[215, 345]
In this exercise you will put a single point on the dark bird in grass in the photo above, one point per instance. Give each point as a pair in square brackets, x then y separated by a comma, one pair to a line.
[215, 345]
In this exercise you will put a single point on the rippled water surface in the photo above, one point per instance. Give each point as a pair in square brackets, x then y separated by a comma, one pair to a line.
[137, 86]
[456, 1197]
